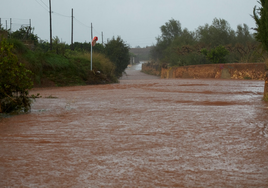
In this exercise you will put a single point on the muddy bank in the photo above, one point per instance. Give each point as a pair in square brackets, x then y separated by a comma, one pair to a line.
[241, 71]
[140, 133]
[254, 71]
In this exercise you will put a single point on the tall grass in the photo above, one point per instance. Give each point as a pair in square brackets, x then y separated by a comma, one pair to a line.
[72, 68]
[99, 62]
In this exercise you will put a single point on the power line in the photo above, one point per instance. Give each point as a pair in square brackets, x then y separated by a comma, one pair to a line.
[82, 23]
[97, 31]
[42, 5]
[60, 14]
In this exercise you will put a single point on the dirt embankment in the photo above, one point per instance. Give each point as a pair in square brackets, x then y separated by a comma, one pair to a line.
[151, 68]
[254, 71]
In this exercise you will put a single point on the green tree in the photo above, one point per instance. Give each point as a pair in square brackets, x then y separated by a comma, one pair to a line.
[216, 55]
[219, 33]
[169, 32]
[14, 81]
[243, 35]
[118, 52]
[260, 16]
[99, 48]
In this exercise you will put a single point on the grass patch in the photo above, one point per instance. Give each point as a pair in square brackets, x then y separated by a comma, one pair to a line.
[265, 97]
[247, 78]
[72, 68]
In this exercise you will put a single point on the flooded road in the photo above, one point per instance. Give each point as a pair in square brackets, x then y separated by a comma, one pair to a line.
[143, 132]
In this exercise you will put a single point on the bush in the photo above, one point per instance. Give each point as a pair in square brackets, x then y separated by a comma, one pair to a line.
[65, 68]
[75, 69]
[216, 55]
[118, 52]
[15, 81]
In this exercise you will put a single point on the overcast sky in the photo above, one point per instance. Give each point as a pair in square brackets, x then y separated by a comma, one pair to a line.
[137, 22]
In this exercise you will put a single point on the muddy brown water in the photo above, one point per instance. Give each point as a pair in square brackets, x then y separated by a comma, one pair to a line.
[143, 132]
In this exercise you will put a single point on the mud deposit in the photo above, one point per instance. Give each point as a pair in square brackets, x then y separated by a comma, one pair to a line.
[143, 132]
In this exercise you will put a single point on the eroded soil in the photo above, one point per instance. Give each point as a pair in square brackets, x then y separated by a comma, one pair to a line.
[143, 132]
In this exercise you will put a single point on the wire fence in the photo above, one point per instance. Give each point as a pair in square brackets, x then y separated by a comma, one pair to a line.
[14, 24]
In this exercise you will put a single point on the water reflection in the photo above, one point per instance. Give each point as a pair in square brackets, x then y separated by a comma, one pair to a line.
[137, 66]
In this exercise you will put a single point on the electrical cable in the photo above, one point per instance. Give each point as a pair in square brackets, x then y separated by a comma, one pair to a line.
[81, 23]
[97, 31]
[53, 12]
[41, 5]
[44, 3]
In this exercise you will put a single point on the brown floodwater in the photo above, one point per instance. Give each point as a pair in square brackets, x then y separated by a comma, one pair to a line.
[143, 132]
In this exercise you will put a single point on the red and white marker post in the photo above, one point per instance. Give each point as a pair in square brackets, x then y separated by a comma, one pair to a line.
[93, 42]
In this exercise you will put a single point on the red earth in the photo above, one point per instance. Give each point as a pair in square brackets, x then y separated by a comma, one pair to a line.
[143, 132]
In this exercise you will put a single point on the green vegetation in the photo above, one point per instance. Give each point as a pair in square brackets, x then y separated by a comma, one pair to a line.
[118, 52]
[215, 43]
[260, 15]
[25, 61]
[261, 19]
[65, 67]
[15, 81]
[216, 55]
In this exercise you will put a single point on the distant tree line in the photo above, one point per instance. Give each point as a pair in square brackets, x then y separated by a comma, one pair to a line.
[215, 43]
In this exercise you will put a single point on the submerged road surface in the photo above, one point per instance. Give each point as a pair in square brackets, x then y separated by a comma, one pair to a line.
[143, 132]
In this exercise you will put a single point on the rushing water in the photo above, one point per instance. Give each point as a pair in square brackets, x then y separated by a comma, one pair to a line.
[143, 132]
[138, 67]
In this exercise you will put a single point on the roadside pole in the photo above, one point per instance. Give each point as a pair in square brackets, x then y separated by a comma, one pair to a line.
[72, 31]
[91, 47]
[50, 25]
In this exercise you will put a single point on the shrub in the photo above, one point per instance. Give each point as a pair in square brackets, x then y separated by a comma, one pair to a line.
[118, 52]
[99, 63]
[216, 55]
[15, 81]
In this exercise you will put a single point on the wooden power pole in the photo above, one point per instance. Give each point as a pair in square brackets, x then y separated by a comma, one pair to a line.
[91, 47]
[102, 38]
[72, 32]
[30, 23]
[10, 25]
[50, 18]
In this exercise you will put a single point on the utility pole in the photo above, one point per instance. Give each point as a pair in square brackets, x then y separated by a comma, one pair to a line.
[30, 23]
[72, 32]
[50, 17]
[91, 46]
[0, 24]
[102, 38]
[6, 24]
[10, 27]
